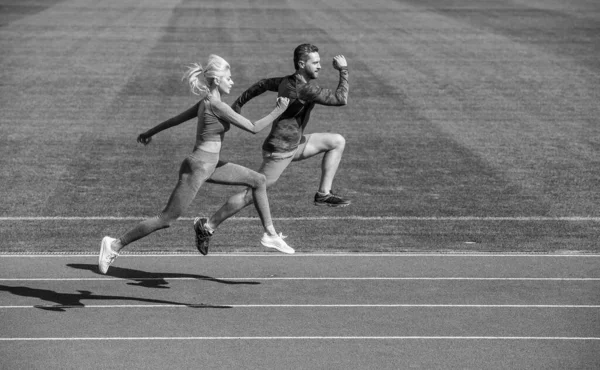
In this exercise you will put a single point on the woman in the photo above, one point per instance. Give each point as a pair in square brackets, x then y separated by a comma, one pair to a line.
[214, 119]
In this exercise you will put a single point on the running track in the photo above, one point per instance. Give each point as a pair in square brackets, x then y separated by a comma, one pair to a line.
[307, 311]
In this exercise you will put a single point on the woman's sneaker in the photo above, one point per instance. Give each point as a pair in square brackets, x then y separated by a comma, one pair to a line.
[202, 235]
[107, 255]
[331, 200]
[277, 242]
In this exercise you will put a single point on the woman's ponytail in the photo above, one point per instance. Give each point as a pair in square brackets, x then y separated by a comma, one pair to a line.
[198, 78]
[195, 78]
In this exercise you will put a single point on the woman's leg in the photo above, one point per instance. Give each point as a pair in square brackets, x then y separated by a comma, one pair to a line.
[192, 174]
[272, 168]
[234, 174]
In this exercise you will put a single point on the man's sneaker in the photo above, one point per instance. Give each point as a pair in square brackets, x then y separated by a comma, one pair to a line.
[107, 255]
[202, 235]
[276, 242]
[330, 200]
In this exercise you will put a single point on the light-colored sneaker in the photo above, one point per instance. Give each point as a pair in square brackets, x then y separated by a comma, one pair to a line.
[276, 242]
[107, 255]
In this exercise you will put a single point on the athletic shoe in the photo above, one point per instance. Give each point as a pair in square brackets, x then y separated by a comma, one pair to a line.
[202, 235]
[107, 255]
[276, 242]
[331, 200]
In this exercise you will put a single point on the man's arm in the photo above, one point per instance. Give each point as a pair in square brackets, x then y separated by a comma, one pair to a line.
[267, 84]
[325, 96]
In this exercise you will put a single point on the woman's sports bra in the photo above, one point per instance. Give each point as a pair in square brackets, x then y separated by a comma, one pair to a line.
[216, 122]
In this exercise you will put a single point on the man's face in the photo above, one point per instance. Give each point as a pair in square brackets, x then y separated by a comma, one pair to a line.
[312, 65]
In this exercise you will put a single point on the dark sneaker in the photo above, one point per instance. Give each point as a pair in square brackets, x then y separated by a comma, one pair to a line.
[202, 235]
[331, 200]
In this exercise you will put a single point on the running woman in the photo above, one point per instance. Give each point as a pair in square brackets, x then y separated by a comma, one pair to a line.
[203, 164]
[286, 141]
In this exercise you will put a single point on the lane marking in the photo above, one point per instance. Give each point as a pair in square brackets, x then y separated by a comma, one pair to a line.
[569, 254]
[203, 305]
[302, 338]
[314, 218]
[296, 278]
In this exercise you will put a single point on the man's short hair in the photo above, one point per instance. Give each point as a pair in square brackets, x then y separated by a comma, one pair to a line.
[301, 53]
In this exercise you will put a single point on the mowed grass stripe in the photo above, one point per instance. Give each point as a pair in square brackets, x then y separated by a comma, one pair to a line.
[422, 161]
[318, 235]
[65, 66]
[413, 70]
[493, 95]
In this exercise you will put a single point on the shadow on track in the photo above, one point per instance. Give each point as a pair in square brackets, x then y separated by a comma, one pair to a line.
[70, 300]
[152, 279]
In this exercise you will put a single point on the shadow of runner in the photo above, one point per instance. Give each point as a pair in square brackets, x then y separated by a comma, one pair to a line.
[152, 279]
[70, 300]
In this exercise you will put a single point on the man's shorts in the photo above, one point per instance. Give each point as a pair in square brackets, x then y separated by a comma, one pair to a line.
[274, 164]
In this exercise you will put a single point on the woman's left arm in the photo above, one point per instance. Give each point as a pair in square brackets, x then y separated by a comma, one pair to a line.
[187, 115]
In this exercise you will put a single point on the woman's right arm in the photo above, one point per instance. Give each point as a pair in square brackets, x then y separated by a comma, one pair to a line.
[226, 113]
[187, 115]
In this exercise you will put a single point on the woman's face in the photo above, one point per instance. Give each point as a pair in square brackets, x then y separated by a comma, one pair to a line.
[225, 83]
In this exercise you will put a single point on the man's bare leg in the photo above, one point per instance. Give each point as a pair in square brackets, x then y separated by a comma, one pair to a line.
[333, 146]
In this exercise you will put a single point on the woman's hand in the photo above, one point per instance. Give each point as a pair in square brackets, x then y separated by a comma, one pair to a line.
[282, 102]
[144, 138]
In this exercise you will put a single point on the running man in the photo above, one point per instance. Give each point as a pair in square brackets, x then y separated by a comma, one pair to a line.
[286, 142]
[203, 164]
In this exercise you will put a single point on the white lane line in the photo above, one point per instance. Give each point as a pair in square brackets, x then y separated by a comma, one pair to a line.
[300, 254]
[202, 305]
[316, 218]
[298, 278]
[302, 338]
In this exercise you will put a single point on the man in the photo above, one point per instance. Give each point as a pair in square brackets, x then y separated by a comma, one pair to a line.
[286, 141]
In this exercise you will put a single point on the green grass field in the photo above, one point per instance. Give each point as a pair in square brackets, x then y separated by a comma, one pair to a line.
[460, 111]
